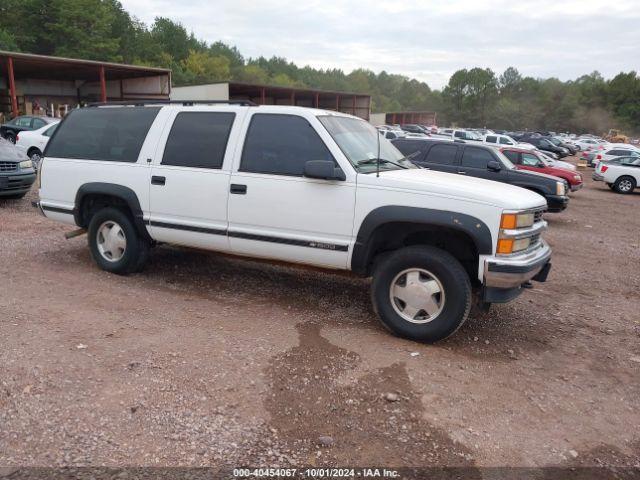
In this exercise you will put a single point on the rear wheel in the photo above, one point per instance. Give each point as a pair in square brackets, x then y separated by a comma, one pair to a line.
[115, 243]
[624, 184]
[421, 293]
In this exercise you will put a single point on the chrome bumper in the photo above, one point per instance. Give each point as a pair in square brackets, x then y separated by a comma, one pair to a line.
[513, 271]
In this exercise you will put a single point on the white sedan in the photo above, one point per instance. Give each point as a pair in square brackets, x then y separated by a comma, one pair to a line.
[621, 175]
[33, 142]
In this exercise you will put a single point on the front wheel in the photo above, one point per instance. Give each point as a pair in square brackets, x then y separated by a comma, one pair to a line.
[115, 243]
[11, 137]
[624, 184]
[421, 293]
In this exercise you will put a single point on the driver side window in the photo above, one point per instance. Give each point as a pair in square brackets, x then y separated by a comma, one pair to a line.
[279, 144]
[530, 160]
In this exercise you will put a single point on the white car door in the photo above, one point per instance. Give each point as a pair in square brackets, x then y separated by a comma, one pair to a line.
[276, 212]
[189, 181]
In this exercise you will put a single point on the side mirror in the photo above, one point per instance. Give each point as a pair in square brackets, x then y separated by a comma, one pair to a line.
[323, 169]
[494, 166]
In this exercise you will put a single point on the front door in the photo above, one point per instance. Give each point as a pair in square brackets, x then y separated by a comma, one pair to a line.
[276, 212]
[189, 181]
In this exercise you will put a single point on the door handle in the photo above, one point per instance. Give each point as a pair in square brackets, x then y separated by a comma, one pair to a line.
[238, 189]
[156, 180]
[462, 172]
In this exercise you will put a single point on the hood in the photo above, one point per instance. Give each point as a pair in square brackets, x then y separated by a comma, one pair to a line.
[538, 174]
[450, 184]
[9, 152]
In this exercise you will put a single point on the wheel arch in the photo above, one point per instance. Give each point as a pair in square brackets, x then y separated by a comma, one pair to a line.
[108, 194]
[391, 227]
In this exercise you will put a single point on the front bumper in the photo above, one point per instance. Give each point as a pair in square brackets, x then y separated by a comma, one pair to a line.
[557, 203]
[16, 184]
[577, 186]
[512, 271]
[597, 177]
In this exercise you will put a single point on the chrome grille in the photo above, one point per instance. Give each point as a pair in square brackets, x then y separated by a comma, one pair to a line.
[8, 166]
[537, 216]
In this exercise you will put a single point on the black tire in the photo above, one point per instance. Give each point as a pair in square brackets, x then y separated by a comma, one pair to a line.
[136, 251]
[444, 268]
[11, 137]
[610, 185]
[624, 184]
[32, 153]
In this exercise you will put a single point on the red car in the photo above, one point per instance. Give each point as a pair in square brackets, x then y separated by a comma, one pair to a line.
[528, 160]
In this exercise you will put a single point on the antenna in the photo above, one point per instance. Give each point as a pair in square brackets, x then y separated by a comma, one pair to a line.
[378, 155]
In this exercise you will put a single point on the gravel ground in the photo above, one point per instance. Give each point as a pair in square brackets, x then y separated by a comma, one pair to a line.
[206, 360]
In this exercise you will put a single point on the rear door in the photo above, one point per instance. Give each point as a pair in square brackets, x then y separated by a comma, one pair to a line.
[189, 179]
[441, 157]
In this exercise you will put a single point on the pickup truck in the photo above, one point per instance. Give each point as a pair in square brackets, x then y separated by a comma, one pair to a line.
[477, 160]
[332, 193]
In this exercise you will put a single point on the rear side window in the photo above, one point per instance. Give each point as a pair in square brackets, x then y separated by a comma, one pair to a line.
[476, 158]
[281, 145]
[442, 154]
[491, 139]
[505, 141]
[407, 147]
[106, 133]
[198, 139]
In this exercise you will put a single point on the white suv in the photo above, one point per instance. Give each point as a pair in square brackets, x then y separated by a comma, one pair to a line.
[295, 184]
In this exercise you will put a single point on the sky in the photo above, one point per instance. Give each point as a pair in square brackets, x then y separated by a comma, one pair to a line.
[427, 40]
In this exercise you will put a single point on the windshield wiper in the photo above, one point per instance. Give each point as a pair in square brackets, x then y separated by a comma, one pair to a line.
[370, 161]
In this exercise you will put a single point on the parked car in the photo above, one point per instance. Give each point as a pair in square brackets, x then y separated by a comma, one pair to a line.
[527, 160]
[467, 135]
[621, 174]
[484, 162]
[610, 154]
[553, 162]
[411, 128]
[589, 157]
[587, 143]
[545, 144]
[559, 142]
[224, 178]
[501, 140]
[16, 171]
[33, 142]
[12, 128]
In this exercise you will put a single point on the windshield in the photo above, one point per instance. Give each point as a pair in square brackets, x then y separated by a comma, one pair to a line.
[359, 142]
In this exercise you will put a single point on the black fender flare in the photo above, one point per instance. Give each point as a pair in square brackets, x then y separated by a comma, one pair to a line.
[119, 191]
[475, 228]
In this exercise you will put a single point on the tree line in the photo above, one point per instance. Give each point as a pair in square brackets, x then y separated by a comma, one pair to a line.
[104, 30]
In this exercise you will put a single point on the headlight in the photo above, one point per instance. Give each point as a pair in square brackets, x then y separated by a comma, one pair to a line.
[26, 164]
[511, 221]
[577, 177]
[560, 190]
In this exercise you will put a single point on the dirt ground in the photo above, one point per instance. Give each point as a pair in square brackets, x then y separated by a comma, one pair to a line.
[218, 361]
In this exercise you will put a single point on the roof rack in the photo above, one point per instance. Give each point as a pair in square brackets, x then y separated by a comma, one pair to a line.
[186, 103]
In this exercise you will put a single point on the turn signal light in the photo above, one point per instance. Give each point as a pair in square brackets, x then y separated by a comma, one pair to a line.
[604, 168]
